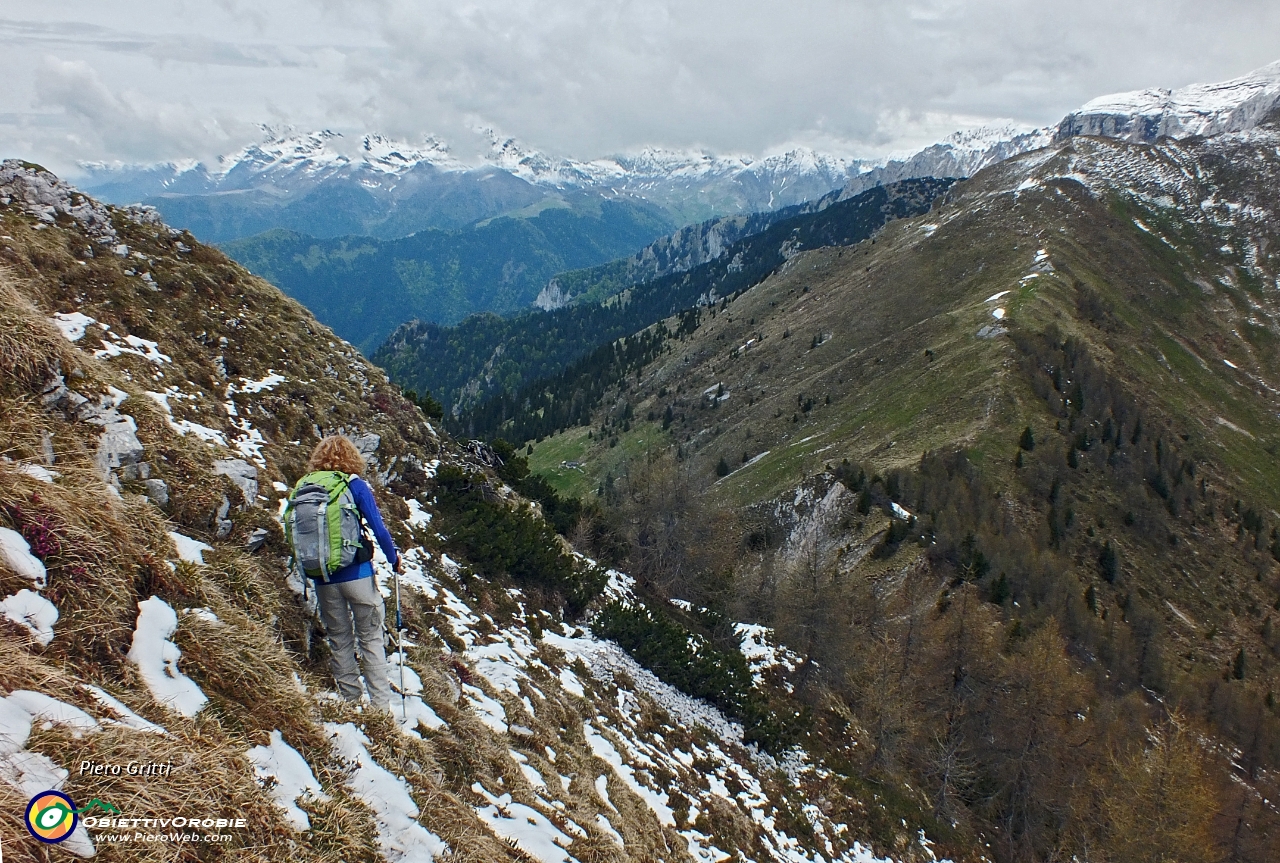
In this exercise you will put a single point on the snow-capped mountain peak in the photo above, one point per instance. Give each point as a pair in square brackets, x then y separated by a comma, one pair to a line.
[983, 138]
[284, 149]
[1198, 109]
[392, 156]
[322, 153]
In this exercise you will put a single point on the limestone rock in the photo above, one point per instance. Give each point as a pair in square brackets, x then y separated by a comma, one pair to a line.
[158, 492]
[243, 474]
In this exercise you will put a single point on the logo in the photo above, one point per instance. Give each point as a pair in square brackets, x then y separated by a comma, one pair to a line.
[51, 816]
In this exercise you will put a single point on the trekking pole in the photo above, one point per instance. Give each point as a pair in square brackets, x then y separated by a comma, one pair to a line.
[404, 708]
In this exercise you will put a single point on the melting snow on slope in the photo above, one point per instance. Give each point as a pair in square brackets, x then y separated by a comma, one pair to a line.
[490, 712]
[190, 550]
[38, 471]
[524, 827]
[418, 517]
[72, 324]
[127, 717]
[657, 801]
[412, 710]
[636, 756]
[157, 658]
[31, 772]
[17, 554]
[271, 381]
[603, 823]
[183, 427]
[287, 776]
[148, 350]
[761, 653]
[30, 609]
[402, 838]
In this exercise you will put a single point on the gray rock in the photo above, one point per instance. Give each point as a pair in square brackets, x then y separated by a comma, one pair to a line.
[56, 396]
[119, 444]
[131, 472]
[224, 524]
[243, 474]
[368, 445]
[256, 539]
[158, 491]
[46, 447]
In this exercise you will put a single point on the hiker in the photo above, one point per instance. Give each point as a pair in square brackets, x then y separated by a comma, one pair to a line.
[326, 519]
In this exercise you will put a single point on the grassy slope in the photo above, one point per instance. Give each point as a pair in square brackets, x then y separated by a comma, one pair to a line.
[1174, 311]
[879, 306]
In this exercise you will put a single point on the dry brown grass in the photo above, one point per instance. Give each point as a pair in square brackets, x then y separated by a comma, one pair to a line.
[31, 348]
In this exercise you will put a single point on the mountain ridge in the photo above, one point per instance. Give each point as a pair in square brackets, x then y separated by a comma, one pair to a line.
[1045, 412]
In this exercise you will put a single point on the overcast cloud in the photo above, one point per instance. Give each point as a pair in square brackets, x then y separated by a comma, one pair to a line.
[148, 80]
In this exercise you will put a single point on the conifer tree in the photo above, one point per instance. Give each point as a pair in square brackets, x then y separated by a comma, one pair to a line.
[1028, 440]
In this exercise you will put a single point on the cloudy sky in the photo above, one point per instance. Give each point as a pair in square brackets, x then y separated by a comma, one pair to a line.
[149, 80]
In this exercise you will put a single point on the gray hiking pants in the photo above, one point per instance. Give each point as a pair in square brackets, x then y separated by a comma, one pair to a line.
[356, 602]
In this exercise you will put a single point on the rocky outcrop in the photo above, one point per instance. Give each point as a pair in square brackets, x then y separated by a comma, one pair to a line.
[1200, 109]
[243, 474]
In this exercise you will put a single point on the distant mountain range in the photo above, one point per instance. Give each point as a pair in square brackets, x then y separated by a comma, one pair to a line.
[491, 359]
[316, 185]
[323, 185]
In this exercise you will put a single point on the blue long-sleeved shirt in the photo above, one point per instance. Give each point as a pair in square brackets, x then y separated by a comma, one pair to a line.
[363, 496]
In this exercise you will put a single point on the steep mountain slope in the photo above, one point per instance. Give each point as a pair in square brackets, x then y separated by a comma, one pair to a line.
[1038, 424]
[364, 288]
[496, 359]
[156, 401]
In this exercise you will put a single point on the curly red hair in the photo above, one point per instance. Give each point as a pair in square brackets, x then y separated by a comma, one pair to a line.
[336, 452]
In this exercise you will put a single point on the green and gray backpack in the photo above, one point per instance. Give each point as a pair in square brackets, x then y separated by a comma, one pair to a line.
[323, 525]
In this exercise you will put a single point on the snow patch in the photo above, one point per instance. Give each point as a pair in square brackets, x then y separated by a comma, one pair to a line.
[31, 772]
[490, 712]
[271, 381]
[190, 550]
[127, 717]
[72, 324]
[30, 609]
[412, 711]
[287, 777]
[17, 555]
[418, 517]
[761, 652]
[148, 350]
[156, 658]
[657, 801]
[37, 471]
[401, 837]
[524, 827]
